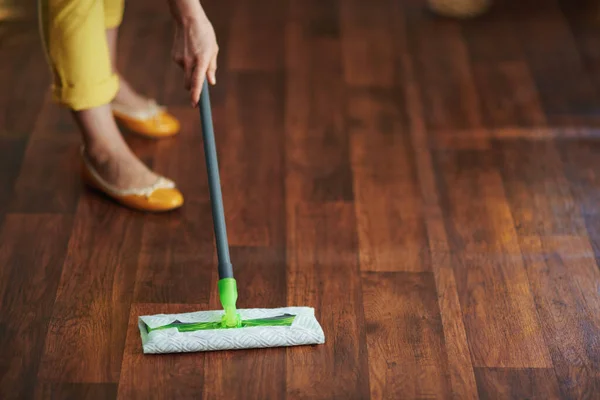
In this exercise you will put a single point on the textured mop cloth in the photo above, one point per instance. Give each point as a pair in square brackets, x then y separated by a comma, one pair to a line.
[304, 330]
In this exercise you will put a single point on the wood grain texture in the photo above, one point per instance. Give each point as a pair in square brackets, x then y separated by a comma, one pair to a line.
[537, 190]
[48, 181]
[440, 56]
[260, 273]
[89, 321]
[508, 94]
[322, 264]
[581, 166]
[490, 276]
[563, 273]
[492, 38]
[460, 365]
[564, 100]
[22, 84]
[164, 376]
[176, 258]
[389, 210]
[316, 145]
[24, 313]
[257, 40]
[430, 186]
[510, 383]
[12, 153]
[404, 336]
[76, 391]
[583, 25]
[251, 156]
[367, 43]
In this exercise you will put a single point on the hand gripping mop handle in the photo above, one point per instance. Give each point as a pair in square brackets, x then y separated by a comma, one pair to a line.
[227, 284]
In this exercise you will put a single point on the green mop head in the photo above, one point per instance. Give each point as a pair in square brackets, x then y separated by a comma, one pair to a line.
[231, 328]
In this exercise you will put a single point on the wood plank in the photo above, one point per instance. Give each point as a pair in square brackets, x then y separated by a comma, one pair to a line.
[482, 139]
[322, 18]
[260, 273]
[23, 83]
[88, 325]
[389, 213]
[491, 38]
[257, 39]
[250, 143]
[581, 163]
[537, 191]
[564, 280]
[513, 383]
[48, 181]
[32, 252]
[176, 255]
[593, 230]
[367, 43]
[77, 391]
[442, 67]
[581, 18]
[404, 336]
[323, 272]
[162, 376]
[566, 89]
[460, 366]
[500, 317]
[317, 148]
[499, 313]
[11, 155]
[508, 94]
[474, 201]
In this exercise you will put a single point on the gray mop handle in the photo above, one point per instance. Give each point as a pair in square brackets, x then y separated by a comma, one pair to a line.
[214, 185]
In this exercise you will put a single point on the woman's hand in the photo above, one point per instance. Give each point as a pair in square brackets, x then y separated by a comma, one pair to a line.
[195, 46]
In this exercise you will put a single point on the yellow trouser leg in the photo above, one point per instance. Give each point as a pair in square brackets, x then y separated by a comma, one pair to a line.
[113, 13]
[74, 38]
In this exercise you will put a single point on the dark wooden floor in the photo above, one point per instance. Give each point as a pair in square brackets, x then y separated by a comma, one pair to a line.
[432, 188]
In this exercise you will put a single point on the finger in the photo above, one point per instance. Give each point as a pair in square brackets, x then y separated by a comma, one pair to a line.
[177, 57]
[178, 60]
[212, 71]
[197, 79]
[188, 70]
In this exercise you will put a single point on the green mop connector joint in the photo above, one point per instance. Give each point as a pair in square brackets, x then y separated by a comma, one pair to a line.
[228, 295]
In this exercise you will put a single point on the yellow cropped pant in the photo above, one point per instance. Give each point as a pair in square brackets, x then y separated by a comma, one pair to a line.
[74, 38]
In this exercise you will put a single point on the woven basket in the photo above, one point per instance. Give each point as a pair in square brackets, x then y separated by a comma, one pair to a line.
[459, 8]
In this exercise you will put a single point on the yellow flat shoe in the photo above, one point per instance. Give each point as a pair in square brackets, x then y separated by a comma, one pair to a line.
[161, 196]
[153, 122]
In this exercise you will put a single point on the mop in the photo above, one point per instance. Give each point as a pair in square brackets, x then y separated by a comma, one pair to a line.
[230, 328]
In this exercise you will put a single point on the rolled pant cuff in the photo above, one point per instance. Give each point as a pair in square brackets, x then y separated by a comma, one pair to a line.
[82, 97]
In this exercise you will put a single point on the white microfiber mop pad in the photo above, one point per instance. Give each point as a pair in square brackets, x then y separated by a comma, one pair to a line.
[304, 330]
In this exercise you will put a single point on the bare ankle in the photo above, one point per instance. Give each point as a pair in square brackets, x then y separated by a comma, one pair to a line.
[100, 133]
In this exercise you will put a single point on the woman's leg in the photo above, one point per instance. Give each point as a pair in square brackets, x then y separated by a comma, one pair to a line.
[138, 113]
[74, 37]
[126, 96]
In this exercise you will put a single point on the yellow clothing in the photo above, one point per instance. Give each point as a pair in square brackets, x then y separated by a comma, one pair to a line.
[74, 37]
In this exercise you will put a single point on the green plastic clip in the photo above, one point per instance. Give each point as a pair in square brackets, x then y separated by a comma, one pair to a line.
[228, 295]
